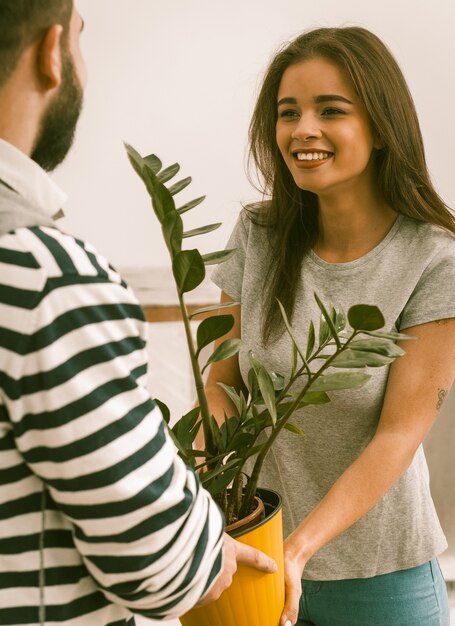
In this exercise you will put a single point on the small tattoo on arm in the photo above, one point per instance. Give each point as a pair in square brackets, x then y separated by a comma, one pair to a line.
[441, 395]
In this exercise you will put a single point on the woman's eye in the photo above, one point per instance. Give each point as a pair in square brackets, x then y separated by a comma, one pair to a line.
[331, 111]
[288, 114]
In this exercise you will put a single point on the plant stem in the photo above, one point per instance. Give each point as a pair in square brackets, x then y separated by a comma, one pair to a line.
[199, 383]
[234, 499]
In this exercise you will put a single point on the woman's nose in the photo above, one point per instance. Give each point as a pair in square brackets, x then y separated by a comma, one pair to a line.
[307, 128]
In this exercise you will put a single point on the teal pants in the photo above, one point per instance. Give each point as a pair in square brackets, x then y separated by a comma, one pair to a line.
[411, 597]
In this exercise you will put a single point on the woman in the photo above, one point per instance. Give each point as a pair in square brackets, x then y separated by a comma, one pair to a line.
[350, 213]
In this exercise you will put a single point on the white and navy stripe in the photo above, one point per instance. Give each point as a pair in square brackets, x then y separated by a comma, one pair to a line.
[127, 526]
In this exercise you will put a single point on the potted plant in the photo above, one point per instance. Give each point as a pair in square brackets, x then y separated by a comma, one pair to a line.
[260, 417]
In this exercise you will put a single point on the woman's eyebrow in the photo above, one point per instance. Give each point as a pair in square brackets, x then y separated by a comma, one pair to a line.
[317, 99]
[331, 98]
[287, 101]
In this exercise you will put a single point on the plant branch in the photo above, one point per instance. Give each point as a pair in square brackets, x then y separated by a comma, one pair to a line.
[209, 435]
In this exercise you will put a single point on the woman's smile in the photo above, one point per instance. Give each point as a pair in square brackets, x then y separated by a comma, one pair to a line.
[310, 159]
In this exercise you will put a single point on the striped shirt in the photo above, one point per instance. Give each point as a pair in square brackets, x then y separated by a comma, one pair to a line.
[99, 518]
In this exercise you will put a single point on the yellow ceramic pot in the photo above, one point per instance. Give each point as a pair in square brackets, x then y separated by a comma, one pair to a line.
[254, 598]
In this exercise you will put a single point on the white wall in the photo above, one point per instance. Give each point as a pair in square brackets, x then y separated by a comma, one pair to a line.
[178, 77]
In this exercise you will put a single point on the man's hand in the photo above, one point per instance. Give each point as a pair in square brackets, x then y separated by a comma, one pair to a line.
[235, 552]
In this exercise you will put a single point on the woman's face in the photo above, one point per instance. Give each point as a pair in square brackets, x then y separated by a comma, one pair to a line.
[323, 131]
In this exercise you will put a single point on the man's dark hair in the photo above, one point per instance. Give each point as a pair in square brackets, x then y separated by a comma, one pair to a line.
[24, 21]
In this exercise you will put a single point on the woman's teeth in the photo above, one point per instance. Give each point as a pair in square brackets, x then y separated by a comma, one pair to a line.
[312, 156]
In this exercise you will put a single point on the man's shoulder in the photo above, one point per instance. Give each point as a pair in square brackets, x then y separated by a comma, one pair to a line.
[37, 261]
[56, 254]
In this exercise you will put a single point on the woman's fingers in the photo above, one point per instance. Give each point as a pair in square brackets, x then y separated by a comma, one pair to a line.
[293, 586]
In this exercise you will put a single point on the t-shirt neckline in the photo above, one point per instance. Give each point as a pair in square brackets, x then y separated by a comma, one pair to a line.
[363, 259]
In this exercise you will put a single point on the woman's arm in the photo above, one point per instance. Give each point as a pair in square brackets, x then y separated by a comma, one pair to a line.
[416, 383]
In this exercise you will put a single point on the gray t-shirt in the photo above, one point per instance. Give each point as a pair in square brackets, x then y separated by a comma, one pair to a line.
[410, 276]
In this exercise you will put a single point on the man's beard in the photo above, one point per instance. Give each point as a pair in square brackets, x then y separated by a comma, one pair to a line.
[59, 121]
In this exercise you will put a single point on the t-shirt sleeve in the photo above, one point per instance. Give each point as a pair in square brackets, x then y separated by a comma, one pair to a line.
[229, 275]
[433, 297]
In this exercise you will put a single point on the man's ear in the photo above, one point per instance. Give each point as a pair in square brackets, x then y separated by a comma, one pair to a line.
[50, 60]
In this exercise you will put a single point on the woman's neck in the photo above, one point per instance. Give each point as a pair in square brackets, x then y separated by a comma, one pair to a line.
[351, 227]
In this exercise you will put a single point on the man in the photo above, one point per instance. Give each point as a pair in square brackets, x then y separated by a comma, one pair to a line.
[98, 517]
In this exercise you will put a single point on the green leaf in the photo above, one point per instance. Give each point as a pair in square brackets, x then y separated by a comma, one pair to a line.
[255, 418]
[253, 387]
[365, 317]
[240, 443]
[208, 476]
[214, 307]
[172, 232]
[315, 397]
[228, 348]
[135, 159]
[340, 320]
[213, 328]
[379, 346]
[164, 410]
[324, 331]
[254, 363]
[215, 429]
[291, 332]
[253, 451]
[153, 162]
[233, 395]
[183, 429]
[188, 269]
[311, 397]
[168, 173]
[190, 205]
[328, 318]
[358, 358]
[146, 168]
[277, 381]
[243, 407]
[225, 474]
[228, 429]
[162, 200]
[174, 189]
[190, 418]
[311, 340]
[293, 428]
[268, 393]
[183, 452]
[201, 231]
[218, 257]
[340, 380]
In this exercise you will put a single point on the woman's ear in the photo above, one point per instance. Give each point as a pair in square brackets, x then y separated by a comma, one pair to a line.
[50, 62]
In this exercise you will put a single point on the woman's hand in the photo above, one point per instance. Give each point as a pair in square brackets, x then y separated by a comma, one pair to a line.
[294, 565]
